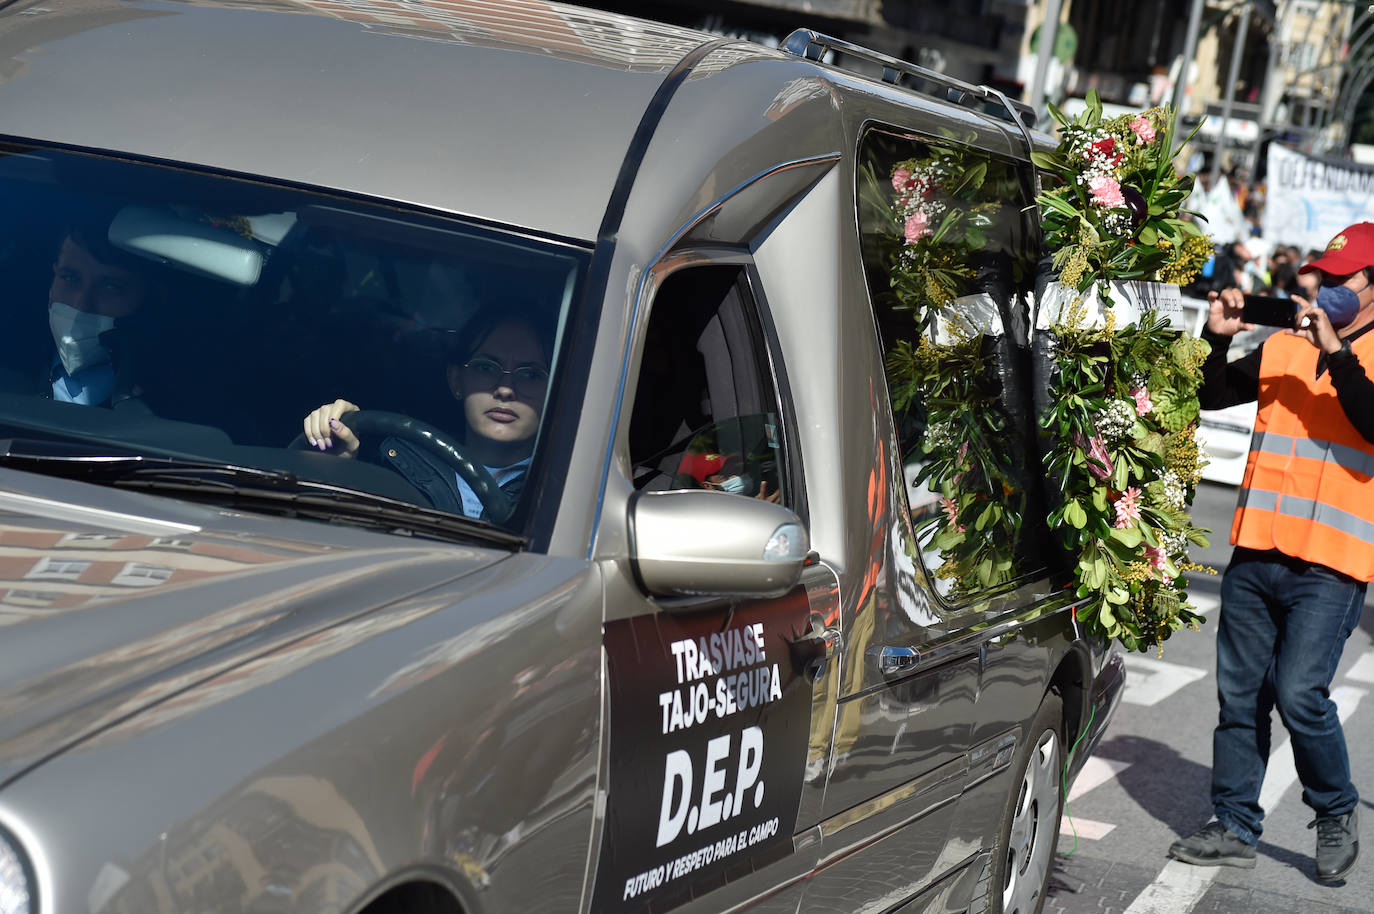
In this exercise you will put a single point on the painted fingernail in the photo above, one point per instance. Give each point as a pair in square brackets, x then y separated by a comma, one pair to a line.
[333, 423]
[311, 440]
[321, 445]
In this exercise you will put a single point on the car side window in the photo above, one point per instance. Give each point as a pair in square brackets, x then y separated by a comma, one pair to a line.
[949, 255]
[706, 409]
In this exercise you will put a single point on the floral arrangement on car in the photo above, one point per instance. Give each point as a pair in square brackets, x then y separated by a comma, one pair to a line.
[1117, 213]
[940, 212]
[940, 220]
[1119, 381]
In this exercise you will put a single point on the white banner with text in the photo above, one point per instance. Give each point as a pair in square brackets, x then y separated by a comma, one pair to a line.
[1309, 200]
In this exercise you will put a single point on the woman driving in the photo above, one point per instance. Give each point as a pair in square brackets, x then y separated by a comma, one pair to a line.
[500, 373]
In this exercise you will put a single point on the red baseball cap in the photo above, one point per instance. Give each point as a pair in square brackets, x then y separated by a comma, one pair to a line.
[1349, 252]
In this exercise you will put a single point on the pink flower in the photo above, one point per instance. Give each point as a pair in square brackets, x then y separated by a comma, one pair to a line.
[951, 510]
[1127, 508]
[917, 227]
[1144, 130]
[901, 179]
[1142, 400]
[1106, 192]
[1156, 556]
[1095, 453]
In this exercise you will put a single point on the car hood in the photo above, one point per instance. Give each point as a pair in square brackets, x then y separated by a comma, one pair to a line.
[111, 601]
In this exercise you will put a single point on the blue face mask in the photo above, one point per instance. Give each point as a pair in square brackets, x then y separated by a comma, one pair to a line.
[1340, 303]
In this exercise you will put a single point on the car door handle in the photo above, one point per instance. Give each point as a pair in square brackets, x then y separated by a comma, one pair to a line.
[892, 661]
[814, 648]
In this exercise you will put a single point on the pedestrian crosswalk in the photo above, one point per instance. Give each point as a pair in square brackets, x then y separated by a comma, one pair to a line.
[1150, 681]
[1363, 670]
[1180, 886]
[1096, 772]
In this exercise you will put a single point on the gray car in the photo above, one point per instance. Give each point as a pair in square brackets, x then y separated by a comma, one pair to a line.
[456, 468]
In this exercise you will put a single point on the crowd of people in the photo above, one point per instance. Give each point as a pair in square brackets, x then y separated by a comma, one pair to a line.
[1258, 268]
[1250, 262]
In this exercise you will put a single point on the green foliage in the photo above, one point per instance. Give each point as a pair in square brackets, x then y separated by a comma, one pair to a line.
[1120, 428]
[1115, 211]
[970, 456]
[934, 211]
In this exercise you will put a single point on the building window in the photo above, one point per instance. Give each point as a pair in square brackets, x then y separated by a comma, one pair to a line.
[32, 597]
[52, 568]
[90, 540]
[140, 574]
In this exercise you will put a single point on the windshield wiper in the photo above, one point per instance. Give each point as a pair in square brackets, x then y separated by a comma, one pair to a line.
[244, 486]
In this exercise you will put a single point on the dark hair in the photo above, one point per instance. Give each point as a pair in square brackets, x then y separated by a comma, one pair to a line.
[1285, 279]
[479, 326]
[91, 234]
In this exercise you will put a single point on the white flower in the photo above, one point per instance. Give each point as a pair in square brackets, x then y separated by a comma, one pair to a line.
[1115, 419]
[940, 436]
[1174, 493]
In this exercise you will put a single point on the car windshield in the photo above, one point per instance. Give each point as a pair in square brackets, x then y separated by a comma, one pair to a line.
[195, 320]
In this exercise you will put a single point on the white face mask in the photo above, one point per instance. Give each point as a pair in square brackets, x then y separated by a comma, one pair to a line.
[77, 335]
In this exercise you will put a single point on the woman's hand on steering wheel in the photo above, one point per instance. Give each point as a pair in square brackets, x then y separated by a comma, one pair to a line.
[322, 427]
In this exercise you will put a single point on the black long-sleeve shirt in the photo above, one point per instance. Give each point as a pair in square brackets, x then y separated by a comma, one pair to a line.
[1228, 383]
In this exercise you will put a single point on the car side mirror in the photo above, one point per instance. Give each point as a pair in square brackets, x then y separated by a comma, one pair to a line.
[697, 542]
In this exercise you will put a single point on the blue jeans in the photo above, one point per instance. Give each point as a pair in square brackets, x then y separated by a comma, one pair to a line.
[1283, 626]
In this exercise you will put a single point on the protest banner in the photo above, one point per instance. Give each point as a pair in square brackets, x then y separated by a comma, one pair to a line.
[1308, 200]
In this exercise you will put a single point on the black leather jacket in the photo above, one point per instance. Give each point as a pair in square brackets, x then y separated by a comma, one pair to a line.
[434, 478]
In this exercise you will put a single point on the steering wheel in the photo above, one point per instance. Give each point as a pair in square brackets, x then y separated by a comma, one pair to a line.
[382, 424]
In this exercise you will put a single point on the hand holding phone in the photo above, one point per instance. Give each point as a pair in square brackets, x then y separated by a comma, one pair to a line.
[1269, 311]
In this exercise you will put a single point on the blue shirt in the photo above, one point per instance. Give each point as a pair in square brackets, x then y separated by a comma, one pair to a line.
[89, 386]
[472, 505]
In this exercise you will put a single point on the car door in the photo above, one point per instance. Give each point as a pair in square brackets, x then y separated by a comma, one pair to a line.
[720, 708]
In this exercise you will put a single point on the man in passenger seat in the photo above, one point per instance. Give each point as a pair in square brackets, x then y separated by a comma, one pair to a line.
[94, 288]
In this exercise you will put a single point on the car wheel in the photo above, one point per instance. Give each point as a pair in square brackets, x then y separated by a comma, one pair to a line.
[1024, 855]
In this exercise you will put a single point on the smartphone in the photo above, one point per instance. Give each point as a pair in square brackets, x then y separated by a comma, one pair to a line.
[1269, 311]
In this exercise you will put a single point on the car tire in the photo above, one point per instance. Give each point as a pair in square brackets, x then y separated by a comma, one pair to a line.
[1029, 831]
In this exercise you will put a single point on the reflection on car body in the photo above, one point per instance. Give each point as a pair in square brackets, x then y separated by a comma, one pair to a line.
[688, 645]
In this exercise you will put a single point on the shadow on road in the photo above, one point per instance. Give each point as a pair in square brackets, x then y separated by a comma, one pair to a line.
[1170, 788]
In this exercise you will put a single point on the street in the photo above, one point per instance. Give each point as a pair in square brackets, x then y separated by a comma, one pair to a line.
[1148, 782]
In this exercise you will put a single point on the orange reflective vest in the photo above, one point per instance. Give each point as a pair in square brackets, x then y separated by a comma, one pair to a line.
[1307, 490]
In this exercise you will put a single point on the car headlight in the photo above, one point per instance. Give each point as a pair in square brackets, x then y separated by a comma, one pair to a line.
[15, 894]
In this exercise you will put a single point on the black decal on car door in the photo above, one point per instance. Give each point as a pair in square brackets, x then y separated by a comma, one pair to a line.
[710, 720]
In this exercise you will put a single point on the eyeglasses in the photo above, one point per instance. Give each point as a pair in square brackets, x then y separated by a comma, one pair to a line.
[488, 374]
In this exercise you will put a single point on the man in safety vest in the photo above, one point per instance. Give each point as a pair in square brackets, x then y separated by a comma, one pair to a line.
[1304, 538]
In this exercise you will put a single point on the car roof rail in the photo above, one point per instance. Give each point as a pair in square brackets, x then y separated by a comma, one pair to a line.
[813, 45]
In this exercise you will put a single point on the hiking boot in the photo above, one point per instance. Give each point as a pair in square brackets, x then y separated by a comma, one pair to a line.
[1213, 845]
[1338, 844]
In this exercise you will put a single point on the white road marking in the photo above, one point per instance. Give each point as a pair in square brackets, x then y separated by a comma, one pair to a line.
[1086, 828]
[1151, 681]
[1204, 603]
[1363, 670]
[1096, 772]
[1180, 885]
